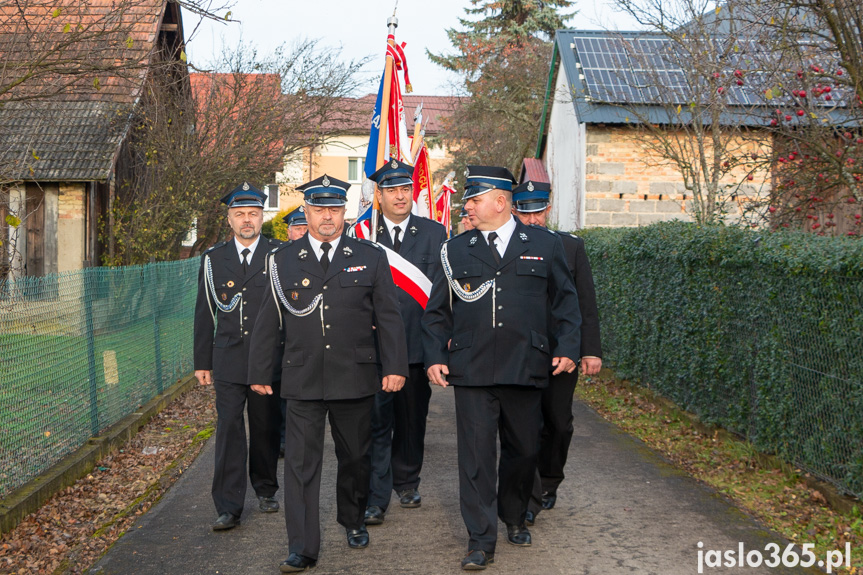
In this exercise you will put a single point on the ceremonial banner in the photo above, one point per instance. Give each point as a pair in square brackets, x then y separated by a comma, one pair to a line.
[423, 185]
[443, 206]
[370, 166]
[397, 141]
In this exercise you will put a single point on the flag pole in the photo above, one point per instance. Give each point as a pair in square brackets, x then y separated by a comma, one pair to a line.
[392, 24]
[416, 142]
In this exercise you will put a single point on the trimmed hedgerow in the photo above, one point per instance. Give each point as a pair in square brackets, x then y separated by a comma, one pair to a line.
[759, 332]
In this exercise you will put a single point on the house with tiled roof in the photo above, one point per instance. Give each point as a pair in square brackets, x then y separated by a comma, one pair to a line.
[344, 156]
[72, 74]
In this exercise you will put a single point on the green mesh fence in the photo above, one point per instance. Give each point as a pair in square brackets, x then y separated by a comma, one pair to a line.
[759, 333]
[81, 350]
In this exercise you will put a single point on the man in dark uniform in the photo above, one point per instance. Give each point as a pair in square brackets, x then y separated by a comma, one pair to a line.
[466, 226]
[399, 423]
[297, 228]
[531, 206]
[486, 331]
[232, 284]
[334, 295]
[297, 224]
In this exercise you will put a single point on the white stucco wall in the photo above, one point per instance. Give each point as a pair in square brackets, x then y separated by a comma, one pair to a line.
[565, 159]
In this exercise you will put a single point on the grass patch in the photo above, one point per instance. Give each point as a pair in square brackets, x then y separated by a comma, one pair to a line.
[774, 492]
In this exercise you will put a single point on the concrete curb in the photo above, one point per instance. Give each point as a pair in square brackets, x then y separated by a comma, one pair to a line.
[31, 496]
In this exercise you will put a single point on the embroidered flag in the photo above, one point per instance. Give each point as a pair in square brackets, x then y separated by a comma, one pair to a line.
[423, 185]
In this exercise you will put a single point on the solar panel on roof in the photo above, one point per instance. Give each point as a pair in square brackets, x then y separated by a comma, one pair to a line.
[644, 70]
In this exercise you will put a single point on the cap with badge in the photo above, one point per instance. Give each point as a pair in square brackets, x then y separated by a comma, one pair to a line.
[325, 191]
[531, 196]
[296, 217]
[463, 213]
[393, 174]
[244, 196]
[482, 179]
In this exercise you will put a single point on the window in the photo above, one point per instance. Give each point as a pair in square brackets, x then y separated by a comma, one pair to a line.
[272, 191]
[355, 170]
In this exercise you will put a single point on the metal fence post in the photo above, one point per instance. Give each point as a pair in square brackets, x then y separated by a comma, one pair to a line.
[89, 295]
[160, 381]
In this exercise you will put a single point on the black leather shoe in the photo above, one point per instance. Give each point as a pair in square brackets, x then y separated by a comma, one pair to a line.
[296, 562]
[529, 518]
[518, 535]
[477, 560]
[268, 504]
[358, 538]
[410, 498]
[226, 521]
[374, 515]
[548, 500]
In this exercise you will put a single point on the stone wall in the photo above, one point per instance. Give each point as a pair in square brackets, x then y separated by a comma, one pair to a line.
[624, 186]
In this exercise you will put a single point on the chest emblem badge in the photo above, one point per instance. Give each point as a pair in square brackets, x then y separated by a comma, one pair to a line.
[295, 296]
[467, 287]
[302, 254]
[224, 296]
[231, 283]
[306, 282]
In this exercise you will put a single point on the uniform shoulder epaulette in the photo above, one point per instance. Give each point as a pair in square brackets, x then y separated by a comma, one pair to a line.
[366, 242]
[281, 246]
[276, 241]
[432, 223]
[567, 235]
[464, 233]
[536, 227]
[214, 248]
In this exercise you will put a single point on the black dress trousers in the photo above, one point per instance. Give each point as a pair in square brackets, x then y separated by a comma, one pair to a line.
[410, 413]
[557, 430]
[481, 414]
[232, 449]
[350, 422]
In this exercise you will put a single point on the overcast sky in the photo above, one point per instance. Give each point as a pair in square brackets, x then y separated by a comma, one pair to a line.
[360, 29]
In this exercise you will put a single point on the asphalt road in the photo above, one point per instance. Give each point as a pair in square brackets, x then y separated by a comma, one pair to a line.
[622, 509]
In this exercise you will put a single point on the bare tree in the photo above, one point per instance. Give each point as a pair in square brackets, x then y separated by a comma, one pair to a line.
[59, 54]
[192, 145]
[688, 97]
[812, 81]
[766, 91]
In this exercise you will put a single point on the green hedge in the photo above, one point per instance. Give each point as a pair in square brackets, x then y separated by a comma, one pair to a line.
[759, 332]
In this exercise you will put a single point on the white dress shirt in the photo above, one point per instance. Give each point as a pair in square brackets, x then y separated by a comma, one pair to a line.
[504, 233]
[390, 225]
[251, 248]
[316, 246]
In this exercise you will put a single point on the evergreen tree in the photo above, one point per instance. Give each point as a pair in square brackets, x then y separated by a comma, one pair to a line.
[503, 58]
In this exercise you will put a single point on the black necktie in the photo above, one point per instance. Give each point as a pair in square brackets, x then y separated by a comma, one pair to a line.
[491, 237]
[325, 259]
[397, 243]
[246, 253]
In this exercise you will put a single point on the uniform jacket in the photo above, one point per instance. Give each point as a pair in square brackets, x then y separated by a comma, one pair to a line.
[329, 351]
[504, 336]
[223, 345]
[579, 266]
[421, 241]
